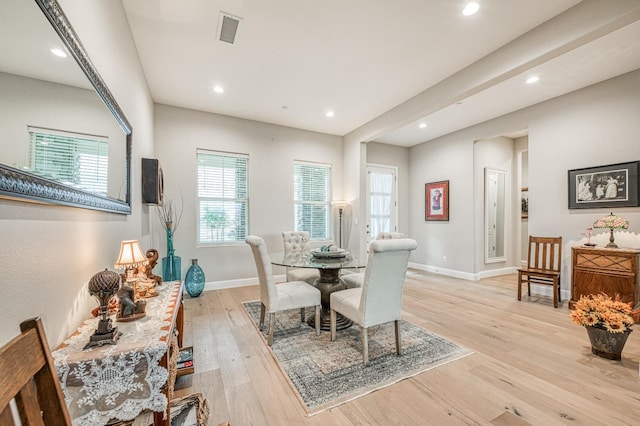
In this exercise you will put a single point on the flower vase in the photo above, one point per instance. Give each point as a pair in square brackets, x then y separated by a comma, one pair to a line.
[170, 264]
[194, 280]
[606, 344]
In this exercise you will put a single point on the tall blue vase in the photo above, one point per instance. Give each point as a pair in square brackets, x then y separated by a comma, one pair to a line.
[194, 280]
[171, 264]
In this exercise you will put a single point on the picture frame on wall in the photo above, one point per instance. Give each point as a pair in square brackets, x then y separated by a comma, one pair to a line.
[610, 186]
[436, 195]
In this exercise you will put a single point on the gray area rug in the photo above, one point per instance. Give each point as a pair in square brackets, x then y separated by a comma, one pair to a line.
[326, 374]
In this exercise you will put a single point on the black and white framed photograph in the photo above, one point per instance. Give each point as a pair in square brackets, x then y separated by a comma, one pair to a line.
[614, 185]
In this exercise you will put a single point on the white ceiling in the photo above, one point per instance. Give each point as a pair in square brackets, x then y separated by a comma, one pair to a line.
[379, 67]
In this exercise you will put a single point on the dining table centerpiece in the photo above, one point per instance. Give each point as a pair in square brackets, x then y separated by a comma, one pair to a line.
[608, 322]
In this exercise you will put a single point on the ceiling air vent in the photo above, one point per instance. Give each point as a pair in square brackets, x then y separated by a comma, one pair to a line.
[228, 27]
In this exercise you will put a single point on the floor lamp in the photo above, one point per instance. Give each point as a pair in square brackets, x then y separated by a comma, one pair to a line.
[340, 205]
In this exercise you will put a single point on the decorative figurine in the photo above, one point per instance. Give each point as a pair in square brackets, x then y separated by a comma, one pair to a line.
[152, 256]
[130, 307]
[103, 286]
[588, 235]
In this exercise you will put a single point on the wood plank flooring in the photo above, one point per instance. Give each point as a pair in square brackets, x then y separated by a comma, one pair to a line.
[531, 365]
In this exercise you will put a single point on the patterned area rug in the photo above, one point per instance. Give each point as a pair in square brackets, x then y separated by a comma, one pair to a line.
[326, 374]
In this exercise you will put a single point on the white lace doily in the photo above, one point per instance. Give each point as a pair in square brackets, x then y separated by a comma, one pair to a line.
[118, 381]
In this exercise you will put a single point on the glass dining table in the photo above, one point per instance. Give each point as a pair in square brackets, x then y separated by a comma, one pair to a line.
[328, 282]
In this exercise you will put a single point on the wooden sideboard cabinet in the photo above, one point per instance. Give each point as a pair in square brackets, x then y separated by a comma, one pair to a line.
[612, 271]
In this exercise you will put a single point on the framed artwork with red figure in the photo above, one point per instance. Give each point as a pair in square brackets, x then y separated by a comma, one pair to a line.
[436, 197]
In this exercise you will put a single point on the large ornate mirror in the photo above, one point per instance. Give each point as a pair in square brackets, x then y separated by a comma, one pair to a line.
[64, 139]
[494, 215]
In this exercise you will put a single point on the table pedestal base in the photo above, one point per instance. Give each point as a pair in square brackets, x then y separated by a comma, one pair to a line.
[329, 282]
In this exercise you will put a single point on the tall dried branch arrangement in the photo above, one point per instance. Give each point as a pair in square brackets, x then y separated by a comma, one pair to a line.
[168, 214]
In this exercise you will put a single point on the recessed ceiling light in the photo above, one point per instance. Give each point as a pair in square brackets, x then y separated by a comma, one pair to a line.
[471, 8]
[533, 79]
[422, 125]
[285, 107]
[330, 114]
[59, 52]
[218, 89]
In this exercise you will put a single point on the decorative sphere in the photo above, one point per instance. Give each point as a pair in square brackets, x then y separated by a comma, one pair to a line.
[104, 282]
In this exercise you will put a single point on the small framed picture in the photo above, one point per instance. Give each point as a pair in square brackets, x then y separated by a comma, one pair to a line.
[436, 196]
[615, 185]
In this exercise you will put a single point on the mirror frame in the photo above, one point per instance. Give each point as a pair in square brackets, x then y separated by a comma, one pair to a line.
[502, 258]
[17, 184]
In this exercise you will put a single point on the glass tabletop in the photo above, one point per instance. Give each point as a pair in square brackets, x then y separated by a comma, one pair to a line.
[307, 260]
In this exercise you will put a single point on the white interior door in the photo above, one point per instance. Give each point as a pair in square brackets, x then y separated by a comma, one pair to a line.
[382, 200]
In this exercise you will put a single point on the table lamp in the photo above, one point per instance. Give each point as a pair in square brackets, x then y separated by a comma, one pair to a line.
[103, 286]
[612, 222]
[130, 258]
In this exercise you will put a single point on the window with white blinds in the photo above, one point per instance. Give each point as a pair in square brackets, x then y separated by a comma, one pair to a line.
[74, 159]
[312, 198]
[223, 203]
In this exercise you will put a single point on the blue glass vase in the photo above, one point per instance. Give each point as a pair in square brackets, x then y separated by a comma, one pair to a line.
[171, 265]
[194, 280]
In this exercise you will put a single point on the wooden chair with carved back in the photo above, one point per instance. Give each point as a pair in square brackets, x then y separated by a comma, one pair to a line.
[544, 261]
[28, 377]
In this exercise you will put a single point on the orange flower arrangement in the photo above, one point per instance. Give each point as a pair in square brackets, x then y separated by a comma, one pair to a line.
[601, 311]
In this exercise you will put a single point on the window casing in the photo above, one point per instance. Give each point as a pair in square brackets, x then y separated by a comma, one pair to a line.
[312, 199]
[74, 159]
[223, 203]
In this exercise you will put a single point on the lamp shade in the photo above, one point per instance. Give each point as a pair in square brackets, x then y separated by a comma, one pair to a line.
[130, 255]
[612, 222]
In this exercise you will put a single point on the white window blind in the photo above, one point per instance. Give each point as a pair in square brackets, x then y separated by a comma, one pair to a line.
[312, 198]
[77, 160]
[223, 203]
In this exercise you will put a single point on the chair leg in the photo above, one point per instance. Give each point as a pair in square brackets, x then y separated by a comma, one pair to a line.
[272, 321]
[262, 310]
[332, 325]
[519, 285]
[365, 346]
[398, 338]
[317, 320]
[301, 314]
[556, 294]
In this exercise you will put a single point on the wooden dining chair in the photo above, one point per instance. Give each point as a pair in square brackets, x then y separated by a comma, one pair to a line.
[28, 377]
[543, 266]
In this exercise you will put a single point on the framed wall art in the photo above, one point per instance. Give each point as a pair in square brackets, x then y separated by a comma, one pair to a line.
[436, 196]
[614, 185]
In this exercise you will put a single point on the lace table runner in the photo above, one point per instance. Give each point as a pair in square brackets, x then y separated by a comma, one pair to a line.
[119, 381]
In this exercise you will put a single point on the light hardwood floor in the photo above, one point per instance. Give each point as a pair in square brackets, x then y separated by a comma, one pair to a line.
[531, 364]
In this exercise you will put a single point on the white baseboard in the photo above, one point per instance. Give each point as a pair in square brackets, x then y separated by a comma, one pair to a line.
[243, 282]
[463, 275]
[497, 272]
[443, 271]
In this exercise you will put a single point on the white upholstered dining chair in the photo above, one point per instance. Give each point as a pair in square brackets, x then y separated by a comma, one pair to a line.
[379, 300]
[280, 297]
[356, 279]
[296, 243]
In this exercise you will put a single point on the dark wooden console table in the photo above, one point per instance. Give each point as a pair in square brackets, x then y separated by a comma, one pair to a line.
[605, 270]
[121, 381]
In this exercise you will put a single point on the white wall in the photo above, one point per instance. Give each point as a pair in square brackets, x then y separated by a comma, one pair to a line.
[496, 153]
[49, 253]
[272, 151]
[449, 159]
[594, 126]
[390, 155]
